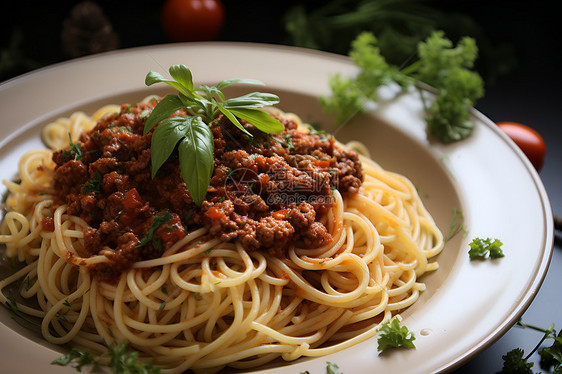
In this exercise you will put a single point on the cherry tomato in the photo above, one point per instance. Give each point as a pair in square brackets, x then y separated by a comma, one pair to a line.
[528, 140]
[192, 20]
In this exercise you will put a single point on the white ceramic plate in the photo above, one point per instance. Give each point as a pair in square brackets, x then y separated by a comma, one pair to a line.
[467, 305]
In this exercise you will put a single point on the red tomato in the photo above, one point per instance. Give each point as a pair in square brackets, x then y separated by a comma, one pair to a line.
[530, 141]
[280, 214]
[214, 214]
[192, 20]
[132, 200]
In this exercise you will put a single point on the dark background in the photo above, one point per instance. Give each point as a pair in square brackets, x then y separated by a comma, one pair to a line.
[520, 62]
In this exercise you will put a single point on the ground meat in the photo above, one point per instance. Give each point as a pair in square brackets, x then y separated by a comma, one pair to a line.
[267, 191]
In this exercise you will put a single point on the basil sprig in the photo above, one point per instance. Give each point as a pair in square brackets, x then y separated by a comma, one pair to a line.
[191, 133]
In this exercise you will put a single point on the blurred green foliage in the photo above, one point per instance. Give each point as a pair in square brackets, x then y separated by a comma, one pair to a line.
[399, 26]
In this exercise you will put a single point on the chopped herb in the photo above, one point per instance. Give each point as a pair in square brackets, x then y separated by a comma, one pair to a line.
[457, 224]
[221, 199]
[12, 306]
[66, 303]
[188, 216]
[482, 248]
[314, 130]
[392, 335]
[128, 109]
[74, 151]
[164, 290]
[332, 368]
[145, 113]
[162, 306]
[289, 141]
[157, 221]
[80, 358]
[93, 185]
[230, 173]
[121, 362]
[25, 283]
[158, 245]
[61, 317]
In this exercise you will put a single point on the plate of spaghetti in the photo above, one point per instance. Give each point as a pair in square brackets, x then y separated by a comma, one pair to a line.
[218, 229]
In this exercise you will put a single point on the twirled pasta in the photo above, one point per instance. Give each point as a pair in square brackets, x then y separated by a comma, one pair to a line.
[205, 304]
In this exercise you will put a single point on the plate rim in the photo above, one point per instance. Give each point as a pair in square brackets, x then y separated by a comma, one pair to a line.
[548, 232]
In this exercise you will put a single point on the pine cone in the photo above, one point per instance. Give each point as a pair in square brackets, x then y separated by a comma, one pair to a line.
[87, 31]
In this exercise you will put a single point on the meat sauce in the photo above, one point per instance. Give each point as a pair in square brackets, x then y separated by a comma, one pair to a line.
[267, 191]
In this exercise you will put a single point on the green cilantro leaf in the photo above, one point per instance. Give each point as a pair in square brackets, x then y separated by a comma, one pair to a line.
[392, 335]
[482, 248]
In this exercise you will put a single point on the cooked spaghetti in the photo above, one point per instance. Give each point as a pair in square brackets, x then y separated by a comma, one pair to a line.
[273, 265]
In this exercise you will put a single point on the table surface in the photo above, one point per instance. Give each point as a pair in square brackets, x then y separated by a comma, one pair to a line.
[530, 95]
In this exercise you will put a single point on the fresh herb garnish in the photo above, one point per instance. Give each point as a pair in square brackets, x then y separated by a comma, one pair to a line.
[392, 335]
[157, 221]
[74, 151]
[289, 141]
[78, 357]
[191, 132]
[12, 306]
[457, 224]
[515, 360]
[332, 368]
[446, 68]
[93, 185]
[482, 248]
[122, 361]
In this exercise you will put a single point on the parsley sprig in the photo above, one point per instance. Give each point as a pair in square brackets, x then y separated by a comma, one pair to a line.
[480, 249]
[446, 68]
[392, 335]
[515, 360]
[191, 133]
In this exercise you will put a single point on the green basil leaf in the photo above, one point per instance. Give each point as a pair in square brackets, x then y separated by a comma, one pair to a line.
[260, 119]
[252, 100]
[233, 119]
[196, 158]
[154, 77]
[229, 82]
[165, 138]
[164, 109]
[182, 75]
[211, 91]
